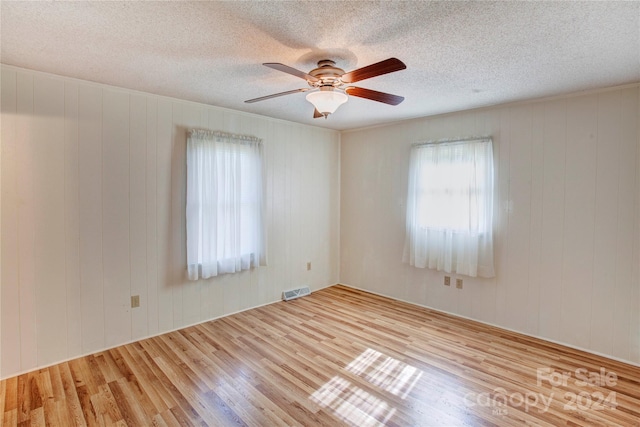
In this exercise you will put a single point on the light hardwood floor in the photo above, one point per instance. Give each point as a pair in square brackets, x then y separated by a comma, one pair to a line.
[337, 357]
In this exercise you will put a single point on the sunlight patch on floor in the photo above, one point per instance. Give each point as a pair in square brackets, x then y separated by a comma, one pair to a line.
[388, 373]
[356, 406]
[351, 404]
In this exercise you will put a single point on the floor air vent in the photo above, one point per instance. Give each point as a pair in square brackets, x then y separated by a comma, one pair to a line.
[295, 293]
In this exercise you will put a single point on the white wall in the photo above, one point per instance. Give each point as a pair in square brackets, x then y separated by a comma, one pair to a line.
[93, 198]
[567, 224]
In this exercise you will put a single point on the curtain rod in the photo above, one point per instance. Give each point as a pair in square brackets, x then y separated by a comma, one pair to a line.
[453, 140]
[206, 132]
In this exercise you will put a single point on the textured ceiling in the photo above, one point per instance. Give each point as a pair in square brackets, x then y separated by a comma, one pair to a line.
[459, 55]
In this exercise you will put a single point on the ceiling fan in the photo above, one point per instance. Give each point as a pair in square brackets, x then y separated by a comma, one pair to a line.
[328, 84]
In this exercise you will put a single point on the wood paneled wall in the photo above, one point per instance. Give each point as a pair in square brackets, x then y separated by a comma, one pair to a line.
[93, 198]
[567, 219]
[92, 201]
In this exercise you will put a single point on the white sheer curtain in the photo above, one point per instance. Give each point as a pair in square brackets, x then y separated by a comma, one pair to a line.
[449, 224]
[225, 203]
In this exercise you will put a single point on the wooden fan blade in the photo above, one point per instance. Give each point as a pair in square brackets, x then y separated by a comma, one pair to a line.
[290, 70]
[379, 68]
[275, 95]
[374, 95]
[317, 114]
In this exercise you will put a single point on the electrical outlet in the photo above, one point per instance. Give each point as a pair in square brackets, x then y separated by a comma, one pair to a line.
[459, 283]
[447, 280]
[135, 301]
[309, 266]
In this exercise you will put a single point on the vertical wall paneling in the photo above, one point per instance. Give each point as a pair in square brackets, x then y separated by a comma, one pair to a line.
[49, 223]
[606, 212]
[309, 222]
[215, 120]
[635, 323]
[626, 290]
[553, 218]
[151, 215]
[115, 216]
[580, 179]
[515, 268]
[536, 167]
[26, 220]
[93, 183]
[566, 240]
[269, 137]
[138, 213]
[335, 195]
[72, 221]
[351, 236]
[277, 237]
[0, 237]
[8, 112]
[10, 310]
[90, 216]
[262, 281]
[297, 214]
[286, 189]
[164, 121]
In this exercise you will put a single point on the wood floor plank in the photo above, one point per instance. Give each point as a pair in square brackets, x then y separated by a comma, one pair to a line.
[106, 407]
[337, 357]
[36, 417]
[71, 400]
[3, 398]
[24, 398]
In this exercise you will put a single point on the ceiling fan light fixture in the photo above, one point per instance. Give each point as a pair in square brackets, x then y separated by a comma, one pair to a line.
[327, 100]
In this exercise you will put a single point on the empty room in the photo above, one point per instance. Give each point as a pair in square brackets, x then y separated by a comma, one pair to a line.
[327, 213]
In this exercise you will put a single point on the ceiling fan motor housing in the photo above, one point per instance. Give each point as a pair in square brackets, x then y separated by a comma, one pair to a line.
[327, 73]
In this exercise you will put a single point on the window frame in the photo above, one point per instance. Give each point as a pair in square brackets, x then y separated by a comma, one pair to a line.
[463, 246]
[218, 166]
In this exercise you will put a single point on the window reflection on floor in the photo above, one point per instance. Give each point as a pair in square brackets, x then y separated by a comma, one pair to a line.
[352, 404]
[358, 407]
[388, 373]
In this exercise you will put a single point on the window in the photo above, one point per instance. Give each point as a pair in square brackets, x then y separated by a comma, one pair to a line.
[450, 207]
[225, 209]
